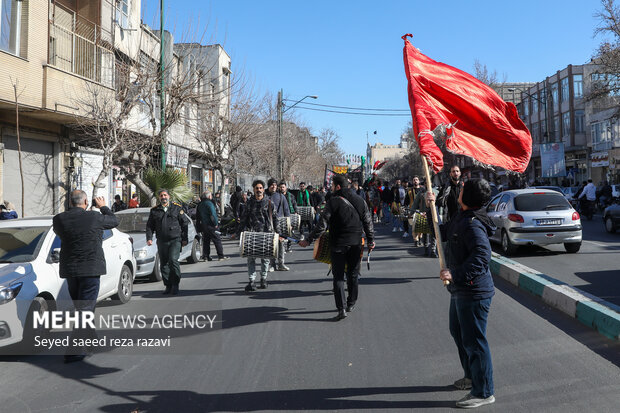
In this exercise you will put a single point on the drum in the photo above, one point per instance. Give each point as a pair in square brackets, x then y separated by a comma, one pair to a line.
[321, 249]
[258, 244]
[307, 213]
[420, 224]
[284, 226]
[295, 222]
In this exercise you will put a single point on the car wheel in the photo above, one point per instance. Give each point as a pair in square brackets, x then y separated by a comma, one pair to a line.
[609, 225]
[572, 247]
[508, 248]
[195, 255]
[156, 274]
[39, 306]
[125, 286]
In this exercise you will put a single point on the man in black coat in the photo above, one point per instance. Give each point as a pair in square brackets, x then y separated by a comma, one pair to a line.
[82, 261]
[345, 213]
[448, 197]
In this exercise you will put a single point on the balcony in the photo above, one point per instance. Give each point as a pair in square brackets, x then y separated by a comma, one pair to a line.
[74, 46]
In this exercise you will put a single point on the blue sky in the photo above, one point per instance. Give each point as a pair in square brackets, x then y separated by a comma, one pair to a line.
[349, 53]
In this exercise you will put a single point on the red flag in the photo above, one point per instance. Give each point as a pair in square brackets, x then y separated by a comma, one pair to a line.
[474, 121]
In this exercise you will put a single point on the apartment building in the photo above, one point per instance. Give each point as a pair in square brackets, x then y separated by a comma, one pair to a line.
[54, 55]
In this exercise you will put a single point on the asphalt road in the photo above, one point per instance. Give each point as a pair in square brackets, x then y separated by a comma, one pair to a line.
[594, 269]
[280, 351]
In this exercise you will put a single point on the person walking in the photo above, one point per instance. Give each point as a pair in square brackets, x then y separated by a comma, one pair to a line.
[82, 260]
[345, 214]
[134, 202]
[208, 225]
[169, 222]
[449, 194]
[421, 205]
[292, 206]
[303, 199]
[258, 216]
[471, 288]
[281, 208]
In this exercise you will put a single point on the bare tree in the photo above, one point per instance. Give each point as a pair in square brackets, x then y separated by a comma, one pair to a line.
[607, 55]
[482, 73]
[329, 146]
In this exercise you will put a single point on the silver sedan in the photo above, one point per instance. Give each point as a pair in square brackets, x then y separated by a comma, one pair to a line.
[133, 222]
[534, 217]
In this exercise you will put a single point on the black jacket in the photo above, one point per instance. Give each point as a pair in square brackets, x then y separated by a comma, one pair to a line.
[469, 254]
[345, 223]
[168, 225]
[448, 199]
[81, 237]
[256, 216]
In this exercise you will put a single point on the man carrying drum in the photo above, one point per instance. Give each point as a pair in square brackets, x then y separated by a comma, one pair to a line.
[259, 216]
[345, 213]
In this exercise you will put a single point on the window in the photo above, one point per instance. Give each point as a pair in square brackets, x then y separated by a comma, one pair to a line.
[493, 204]
[556, 127]
[564, 86]
[601, 132]
[554, 96]
[10, 22]
[580, 121]
[503, 202]
[535, 103]
[122, 13]
[578, 86]
[526, 107]
[565, 123]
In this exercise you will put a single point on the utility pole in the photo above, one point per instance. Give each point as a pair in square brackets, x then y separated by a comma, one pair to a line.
[280, 166]
[162, 92]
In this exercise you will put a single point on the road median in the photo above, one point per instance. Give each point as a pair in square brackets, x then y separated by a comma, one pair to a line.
[592, 311]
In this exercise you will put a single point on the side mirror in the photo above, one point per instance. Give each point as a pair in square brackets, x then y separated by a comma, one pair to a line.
[55, 255]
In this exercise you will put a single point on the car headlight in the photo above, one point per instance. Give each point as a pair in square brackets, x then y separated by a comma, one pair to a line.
[140, 254]
[10, 292]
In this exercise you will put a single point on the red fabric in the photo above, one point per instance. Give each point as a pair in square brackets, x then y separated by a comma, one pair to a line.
[484, 126]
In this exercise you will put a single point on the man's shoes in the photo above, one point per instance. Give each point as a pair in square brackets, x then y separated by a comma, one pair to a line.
[175, 289]
[209, 259]
[394, 229]
[263, 284]
[471, 402]
[463, 384]
[250, 287]
[203, 258]
[405, 235]
[72, 358]
[282, 268]
[168, 289]
[401, 229]
[223, 258]
[271, 269]
[342, 314]
[350, 307]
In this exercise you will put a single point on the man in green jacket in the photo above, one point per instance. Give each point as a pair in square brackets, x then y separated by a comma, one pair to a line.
[207, 223]
[303, 199]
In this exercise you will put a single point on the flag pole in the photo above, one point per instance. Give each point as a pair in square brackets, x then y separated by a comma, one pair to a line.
[429, 189]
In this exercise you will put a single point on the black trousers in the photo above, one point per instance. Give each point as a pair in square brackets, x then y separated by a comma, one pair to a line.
[208, 235]
[84, 292]
[348, 256]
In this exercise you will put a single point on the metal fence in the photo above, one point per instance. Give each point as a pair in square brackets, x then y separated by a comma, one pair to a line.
[74, 47]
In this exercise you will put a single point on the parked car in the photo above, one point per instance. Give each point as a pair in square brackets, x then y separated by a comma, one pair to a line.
[133, 222]
[551, 187]
[29, 275]
[611, 217]
[534, 216]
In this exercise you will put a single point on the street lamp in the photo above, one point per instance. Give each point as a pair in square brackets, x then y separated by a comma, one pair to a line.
[544, 103]
[281, 111]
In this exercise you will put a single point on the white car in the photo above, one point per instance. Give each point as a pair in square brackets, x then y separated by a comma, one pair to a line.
[29, 273]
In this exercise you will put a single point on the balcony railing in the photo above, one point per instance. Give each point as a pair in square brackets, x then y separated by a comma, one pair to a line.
[74, 47]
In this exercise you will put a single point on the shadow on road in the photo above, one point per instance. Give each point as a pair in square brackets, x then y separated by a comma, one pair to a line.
[600, 284]
[283, 400]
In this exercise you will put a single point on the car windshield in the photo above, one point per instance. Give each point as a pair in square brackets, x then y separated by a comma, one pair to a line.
[21, 244]
[543, 201]
[134, 222]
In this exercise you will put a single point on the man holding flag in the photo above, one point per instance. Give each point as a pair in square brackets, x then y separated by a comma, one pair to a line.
[450, 105]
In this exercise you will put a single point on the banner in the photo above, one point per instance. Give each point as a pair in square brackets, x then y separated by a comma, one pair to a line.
[552, 160]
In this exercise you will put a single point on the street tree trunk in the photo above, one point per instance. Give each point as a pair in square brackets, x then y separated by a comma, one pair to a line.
[19, 148]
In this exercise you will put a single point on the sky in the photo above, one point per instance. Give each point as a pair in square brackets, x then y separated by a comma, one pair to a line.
[349, 53]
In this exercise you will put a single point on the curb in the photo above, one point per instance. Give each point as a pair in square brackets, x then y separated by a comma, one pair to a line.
[594, 312]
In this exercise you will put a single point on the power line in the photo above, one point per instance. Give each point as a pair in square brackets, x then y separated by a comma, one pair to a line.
[354, 113]
[345, 107]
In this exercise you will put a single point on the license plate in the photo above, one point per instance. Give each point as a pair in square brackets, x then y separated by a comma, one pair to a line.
[548, 222]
